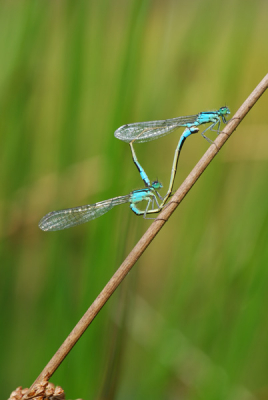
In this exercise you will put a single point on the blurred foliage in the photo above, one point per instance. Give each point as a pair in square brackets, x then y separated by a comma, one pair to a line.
[189, 322]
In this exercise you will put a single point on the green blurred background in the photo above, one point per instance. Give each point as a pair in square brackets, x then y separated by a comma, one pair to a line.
[190, 321]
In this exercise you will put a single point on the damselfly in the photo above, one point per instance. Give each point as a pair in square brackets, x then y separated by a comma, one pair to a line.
[62, 219]
[145, 131]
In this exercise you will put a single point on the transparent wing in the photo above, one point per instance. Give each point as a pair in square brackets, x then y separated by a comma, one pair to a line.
[62, 219]
[146, 131]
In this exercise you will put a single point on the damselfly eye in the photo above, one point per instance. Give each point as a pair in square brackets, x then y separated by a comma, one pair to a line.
[224, 110]
[157, 185]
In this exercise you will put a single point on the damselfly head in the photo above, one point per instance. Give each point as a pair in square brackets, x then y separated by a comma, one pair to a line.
[224, 111]
[157, 185]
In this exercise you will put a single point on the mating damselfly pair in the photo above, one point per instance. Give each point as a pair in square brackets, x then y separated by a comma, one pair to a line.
[139, 132]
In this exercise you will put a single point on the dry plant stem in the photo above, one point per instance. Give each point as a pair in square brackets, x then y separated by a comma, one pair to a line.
[155, 227]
